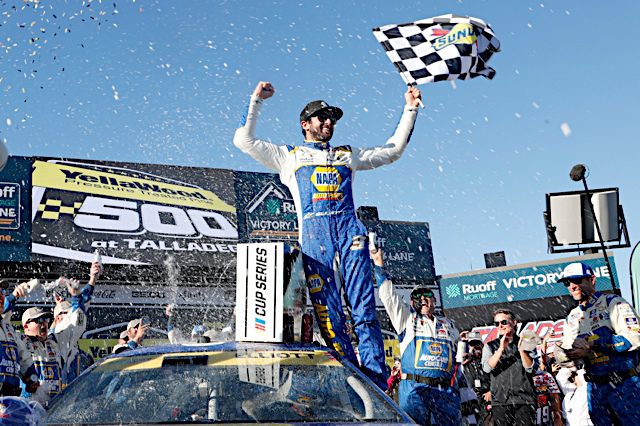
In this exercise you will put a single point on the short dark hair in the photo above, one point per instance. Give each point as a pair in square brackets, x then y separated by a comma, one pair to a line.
[504, 312]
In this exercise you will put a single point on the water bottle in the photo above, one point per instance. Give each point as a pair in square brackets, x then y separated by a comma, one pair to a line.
[372, 241]
[462, 351]
[32, 285]
[212, 406]
[97, 257]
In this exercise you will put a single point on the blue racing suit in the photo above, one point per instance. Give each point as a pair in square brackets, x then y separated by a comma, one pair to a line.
[427, 350]
[320, 177]
[50, 357]
[15, 360]
[612, 327]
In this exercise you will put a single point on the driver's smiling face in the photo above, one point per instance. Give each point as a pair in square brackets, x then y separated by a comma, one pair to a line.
[319, 127]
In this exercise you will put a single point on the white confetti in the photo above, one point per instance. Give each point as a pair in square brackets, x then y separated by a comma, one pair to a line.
[566, 129]
[8, 122]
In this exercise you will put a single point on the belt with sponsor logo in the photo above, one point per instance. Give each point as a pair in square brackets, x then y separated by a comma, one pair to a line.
[427, 380]
[615, 377]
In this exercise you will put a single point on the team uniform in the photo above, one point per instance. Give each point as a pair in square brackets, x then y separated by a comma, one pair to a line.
[50, 357]
[612, 327]
[15, 361]
[545, 386]
[427, 349]
[67, 333]
[320, 178]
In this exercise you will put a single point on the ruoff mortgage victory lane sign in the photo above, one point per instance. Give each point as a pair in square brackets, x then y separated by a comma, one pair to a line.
[517, 283]
[132, 213]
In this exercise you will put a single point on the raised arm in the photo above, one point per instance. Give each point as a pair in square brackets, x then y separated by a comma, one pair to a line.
[396, 308]
[370, 158]
[268, 154]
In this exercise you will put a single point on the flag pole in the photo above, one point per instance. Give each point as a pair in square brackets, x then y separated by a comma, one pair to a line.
[409, 83]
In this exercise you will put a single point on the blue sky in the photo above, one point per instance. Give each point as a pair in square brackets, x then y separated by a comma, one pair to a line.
[167, 82]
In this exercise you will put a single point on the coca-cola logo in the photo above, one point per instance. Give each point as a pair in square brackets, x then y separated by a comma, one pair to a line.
[104, 294]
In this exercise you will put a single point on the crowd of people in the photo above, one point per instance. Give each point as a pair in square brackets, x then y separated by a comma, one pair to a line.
[512, 383]
[588, 376]
[442, 376]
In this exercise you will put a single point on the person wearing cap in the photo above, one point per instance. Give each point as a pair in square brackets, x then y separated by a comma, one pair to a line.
[16, 365]
[511, 360]
[603, 334]
[427, 352]
[122, 343]
[136, 332]
[320, 178]
[477, 378]
[44, 351]
[52, 352]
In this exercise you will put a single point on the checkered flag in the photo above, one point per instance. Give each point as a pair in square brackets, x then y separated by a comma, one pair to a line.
[447, 47]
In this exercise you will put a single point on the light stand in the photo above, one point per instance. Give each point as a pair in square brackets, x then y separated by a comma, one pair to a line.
[578, 174]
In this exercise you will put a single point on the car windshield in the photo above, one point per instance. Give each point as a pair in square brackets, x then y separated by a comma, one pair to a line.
[221, 387]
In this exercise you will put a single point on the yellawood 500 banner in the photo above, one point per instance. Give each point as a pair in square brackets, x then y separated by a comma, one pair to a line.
[132, 213]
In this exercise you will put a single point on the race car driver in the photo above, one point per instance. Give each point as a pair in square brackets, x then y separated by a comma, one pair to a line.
[604, 332]
[427, 348]
[320, 178]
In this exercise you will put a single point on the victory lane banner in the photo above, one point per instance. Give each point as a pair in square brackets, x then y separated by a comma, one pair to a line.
[407, 250]
[266, 210]
[132, 213]
[517, 283]
[15, 226]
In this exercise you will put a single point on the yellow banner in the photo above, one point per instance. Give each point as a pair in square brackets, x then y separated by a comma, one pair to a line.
[100, 348]
[224, 359]
[391, 350]
[112, 184]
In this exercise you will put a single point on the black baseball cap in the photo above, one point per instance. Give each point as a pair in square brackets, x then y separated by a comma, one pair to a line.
[315, 107]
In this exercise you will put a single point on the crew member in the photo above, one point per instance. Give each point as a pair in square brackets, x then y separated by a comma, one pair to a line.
[427, 351]
[603, 332]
